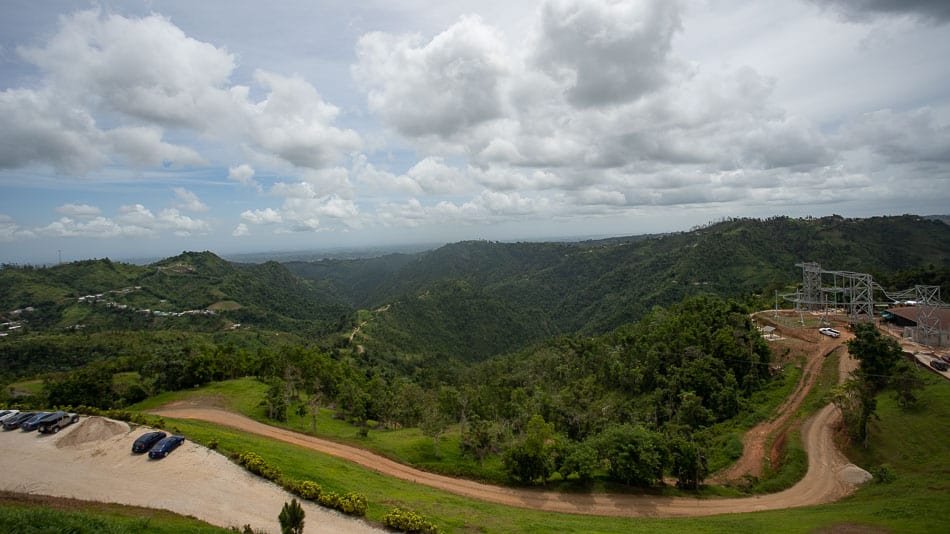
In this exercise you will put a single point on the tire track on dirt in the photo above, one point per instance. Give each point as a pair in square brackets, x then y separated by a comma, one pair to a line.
[827, 479]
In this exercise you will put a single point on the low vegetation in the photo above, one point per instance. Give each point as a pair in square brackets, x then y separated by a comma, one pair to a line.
[37, 513]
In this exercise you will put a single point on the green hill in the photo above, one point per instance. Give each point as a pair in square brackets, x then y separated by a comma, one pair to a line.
[470, 300]
[478, 298]
[65, 316]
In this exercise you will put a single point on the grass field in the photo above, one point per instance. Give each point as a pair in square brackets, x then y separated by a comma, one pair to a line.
[33, 513]
[409, 446]
[912, 502]
[911, 445]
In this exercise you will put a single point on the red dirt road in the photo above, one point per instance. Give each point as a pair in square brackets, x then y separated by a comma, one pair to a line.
[827, 479]
[752, 461]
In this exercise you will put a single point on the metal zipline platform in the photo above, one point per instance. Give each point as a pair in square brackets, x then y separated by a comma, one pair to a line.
[824, 290]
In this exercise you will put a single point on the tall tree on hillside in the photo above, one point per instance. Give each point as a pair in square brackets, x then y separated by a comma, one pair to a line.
[879, 355]
[533, 458]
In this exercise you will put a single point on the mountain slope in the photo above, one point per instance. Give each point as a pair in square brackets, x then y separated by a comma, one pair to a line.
[515, 294]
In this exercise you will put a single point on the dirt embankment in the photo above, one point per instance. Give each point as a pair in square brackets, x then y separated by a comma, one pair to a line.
[755, 444]
[92, 461]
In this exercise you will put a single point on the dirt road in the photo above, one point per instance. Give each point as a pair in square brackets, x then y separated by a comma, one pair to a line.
[754, 453]
[829, 478]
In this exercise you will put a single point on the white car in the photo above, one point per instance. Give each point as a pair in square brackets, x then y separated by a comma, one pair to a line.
[830, 332]
[5, 414]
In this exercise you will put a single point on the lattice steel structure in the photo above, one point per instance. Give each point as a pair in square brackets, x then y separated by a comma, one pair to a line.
[858, 289]
[855, 291]
[811, 286]
[928, 318]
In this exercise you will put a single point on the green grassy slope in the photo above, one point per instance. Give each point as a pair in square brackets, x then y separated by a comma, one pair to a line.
[911, 444]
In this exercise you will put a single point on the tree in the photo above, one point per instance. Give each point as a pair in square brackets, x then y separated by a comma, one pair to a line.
[580, 459]
[688, 463]
[857, 404]
[291, 518]
[635, 455]
[275, 400]
[907, 383]
[437, 414]
[878, 354]
[532, 459]
[480, 439]
[91, 386]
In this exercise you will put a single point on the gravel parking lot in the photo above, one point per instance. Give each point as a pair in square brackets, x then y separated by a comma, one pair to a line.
[92, 460]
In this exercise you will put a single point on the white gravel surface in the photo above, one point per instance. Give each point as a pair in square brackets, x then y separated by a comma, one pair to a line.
[92, 460]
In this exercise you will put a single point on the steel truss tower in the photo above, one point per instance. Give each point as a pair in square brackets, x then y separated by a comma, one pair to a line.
[859, 288]
[928, 318]
[811, 286]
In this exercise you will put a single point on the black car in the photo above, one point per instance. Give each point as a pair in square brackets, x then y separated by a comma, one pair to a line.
[939, 365]
[30, 424]
[17, 420]
[146, 441]
[164, 447]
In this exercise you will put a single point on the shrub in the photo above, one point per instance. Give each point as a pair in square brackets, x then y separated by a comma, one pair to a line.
[408, 521]
[309, 490]
[329, 499]
[213, 444]
[882, 474]
[255, 464]
[353, 504]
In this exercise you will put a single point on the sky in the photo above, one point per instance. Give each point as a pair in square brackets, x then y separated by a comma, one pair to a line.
[145, 128]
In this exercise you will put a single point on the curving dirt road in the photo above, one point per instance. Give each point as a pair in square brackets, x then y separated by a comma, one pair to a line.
[752, 461]
[829, 478]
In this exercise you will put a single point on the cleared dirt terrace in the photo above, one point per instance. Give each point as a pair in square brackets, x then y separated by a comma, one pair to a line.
[92, 461]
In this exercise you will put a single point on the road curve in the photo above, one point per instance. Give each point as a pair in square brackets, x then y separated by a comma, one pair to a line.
[826, 480]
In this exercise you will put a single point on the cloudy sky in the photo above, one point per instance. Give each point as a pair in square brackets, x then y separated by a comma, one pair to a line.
[131, 129]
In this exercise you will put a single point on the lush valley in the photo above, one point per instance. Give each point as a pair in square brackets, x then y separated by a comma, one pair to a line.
[613, 364]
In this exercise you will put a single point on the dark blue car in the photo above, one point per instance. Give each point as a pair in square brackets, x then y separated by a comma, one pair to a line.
[30, 424]
[164, 447]
[146, 441]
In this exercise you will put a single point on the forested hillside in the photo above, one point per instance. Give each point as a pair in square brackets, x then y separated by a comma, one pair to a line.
[553, 359]
[463, 302]
[62, 317]
[478, 298]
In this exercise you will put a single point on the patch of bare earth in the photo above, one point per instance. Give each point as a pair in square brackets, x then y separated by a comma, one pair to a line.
[92, 461]
[815, 348]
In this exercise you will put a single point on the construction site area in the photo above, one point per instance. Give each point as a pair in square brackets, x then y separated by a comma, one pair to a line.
[828, 299]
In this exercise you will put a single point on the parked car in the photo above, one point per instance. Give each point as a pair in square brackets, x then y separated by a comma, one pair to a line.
[30, 424]
[18, 419]
[830, 332]
[7, 414]
[939, 365]
[164, 447]
[55, 421]
[147, 441]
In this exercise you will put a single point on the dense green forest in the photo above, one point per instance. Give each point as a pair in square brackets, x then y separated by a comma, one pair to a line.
[554, 359]
[527, 292]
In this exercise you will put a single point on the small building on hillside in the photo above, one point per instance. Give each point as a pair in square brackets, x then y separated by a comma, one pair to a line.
[931, 329]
